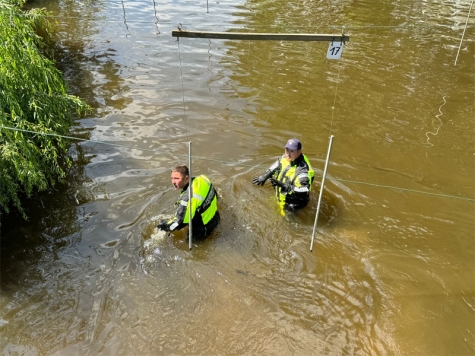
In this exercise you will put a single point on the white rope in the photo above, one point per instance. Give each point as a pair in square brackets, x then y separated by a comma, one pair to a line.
[440, 124]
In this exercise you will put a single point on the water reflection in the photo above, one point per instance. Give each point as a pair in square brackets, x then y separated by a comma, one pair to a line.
[40, 258]
[80, 280]
[125, 20]
[156, 16]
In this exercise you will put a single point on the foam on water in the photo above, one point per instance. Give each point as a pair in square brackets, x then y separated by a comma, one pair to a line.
[154, 238]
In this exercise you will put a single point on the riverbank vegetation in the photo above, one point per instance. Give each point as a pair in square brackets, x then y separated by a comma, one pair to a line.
[33, 97]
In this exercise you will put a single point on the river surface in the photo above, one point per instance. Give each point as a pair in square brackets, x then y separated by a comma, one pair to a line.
[392, 267]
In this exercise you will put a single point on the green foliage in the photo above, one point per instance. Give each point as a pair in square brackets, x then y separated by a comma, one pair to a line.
[33, 96]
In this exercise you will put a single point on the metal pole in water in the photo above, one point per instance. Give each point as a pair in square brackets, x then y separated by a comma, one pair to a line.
[190, 197]
[321, 192]
[463, 34]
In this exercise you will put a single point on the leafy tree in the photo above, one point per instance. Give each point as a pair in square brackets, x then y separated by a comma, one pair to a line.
[33, 96]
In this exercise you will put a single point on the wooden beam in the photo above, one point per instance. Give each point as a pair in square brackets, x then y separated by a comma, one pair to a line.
[260, 36]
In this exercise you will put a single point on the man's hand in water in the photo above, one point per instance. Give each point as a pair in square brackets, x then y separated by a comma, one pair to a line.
[163, 226]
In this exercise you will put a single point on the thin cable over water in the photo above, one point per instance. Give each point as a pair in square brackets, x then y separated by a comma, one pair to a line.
[182, 87]
[404, 189]
[334, 100]
[407, 26]
[230, 163]
[126, 147]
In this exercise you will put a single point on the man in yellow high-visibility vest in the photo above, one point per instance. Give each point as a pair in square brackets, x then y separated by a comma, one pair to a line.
[292, 177]
[205, 215]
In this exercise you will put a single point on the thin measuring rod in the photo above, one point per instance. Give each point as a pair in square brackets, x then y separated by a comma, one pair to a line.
[190, 197]
[321, 192]
[463, 34]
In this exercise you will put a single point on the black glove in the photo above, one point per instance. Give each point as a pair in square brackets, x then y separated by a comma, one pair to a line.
[262, 179]
[284, 186]
[163, 226]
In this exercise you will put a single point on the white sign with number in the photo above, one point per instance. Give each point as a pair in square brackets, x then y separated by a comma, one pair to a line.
[334, 50]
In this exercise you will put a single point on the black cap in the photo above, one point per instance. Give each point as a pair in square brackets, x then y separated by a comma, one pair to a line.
[293, 144]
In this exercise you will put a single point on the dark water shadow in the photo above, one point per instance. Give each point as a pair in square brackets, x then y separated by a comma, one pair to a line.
[53, 225]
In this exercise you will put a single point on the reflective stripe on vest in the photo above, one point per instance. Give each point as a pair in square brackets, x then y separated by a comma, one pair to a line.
[197, 196]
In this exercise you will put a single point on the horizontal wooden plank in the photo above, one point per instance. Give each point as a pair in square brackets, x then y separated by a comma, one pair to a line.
[261, 36]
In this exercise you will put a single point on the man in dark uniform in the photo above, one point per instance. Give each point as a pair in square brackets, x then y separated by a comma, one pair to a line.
[292, 177]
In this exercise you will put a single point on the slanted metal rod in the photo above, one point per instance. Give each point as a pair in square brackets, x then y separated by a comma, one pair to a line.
[261, 36]
[463, 34]
[321, 192]
[190, 198]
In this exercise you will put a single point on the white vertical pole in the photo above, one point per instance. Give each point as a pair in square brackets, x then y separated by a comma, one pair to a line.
[190, 197]
[321, 192]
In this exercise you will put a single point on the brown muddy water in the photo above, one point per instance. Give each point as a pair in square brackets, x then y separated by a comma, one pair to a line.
[392, 270]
